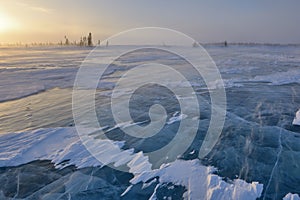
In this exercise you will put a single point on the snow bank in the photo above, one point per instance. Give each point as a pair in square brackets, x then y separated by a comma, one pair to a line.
[63, 144]
[200, 182]
[55, 144]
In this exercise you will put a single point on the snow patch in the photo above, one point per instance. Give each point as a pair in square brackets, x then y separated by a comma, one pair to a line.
[291, 196]
[296, 120]
[200, 182]
[63, 147]
[176, 118]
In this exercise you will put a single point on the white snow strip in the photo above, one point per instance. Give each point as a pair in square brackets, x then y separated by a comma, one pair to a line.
[126, 191]
[280, 78]
[176, 118]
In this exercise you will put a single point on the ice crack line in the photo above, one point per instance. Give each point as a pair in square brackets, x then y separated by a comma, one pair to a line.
[275, 165]
[18, 186]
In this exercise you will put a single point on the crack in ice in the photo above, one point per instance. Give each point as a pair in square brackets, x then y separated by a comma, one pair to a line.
[275, 164]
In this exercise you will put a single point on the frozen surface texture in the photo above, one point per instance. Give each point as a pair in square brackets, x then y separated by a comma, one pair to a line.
[256, 156]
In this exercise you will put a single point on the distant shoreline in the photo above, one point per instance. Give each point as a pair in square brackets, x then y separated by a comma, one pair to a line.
[102, 45]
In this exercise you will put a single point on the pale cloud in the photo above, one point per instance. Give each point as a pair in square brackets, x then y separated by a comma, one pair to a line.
[35, 8]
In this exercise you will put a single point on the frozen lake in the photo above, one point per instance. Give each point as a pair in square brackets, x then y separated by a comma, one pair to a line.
[256, 156]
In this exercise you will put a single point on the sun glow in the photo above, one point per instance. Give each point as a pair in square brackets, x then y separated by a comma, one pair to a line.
[6, 23]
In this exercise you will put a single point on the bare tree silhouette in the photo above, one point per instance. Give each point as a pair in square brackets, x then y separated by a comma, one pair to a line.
[90, 43]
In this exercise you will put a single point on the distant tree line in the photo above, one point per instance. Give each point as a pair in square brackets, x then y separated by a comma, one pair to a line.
[88, 41]
[84, 41]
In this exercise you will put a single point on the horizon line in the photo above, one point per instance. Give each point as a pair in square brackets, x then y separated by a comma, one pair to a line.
[32, 44]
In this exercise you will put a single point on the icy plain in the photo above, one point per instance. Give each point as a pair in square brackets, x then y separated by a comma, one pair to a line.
[257, 155]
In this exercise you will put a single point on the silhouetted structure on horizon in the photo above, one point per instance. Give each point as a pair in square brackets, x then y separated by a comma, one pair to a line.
[67, 40]
[90, 43]
[84, 41]
[195, 44]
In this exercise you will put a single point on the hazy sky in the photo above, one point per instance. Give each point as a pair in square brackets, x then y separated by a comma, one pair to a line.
[274, 21]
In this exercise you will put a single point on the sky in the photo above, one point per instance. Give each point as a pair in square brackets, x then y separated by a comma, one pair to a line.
[263, 21]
